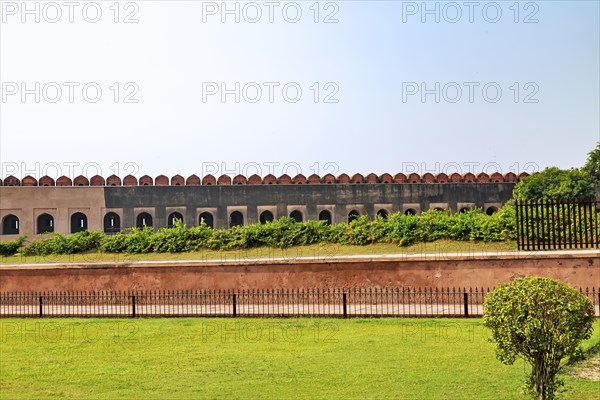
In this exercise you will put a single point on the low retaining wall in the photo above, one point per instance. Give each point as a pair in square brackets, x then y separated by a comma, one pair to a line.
[577, 268]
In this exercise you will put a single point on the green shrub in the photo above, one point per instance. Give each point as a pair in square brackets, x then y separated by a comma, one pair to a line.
[140, 240]
[540, 320]
[12, 247]
[402, 228]
[116, 243]
[286, 232]
[57, 243]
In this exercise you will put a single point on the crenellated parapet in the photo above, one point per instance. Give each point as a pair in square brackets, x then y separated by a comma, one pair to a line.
[314, 179]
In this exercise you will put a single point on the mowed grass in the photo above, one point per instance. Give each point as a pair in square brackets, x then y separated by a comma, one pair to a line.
[317, 251]
[260, 358]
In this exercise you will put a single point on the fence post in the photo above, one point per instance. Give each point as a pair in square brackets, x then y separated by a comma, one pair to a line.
[345, 305]
[466, 303]
[133, 306]
[234, 305]
[41, 311]
[519, 226]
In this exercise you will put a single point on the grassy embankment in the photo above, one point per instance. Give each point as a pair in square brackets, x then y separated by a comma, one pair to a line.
[317, 251]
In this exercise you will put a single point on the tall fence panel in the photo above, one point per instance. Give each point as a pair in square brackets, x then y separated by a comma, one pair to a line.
[339, 303]
[558, 224]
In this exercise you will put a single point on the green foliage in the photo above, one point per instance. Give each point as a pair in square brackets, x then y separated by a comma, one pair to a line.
[12, 247]
[554, 183]
[57, 243]
[286, 232]
[402, 228]
[139, 240]
[592, 166]
[540, 320]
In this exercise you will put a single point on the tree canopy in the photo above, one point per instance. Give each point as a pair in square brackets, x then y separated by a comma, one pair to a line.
[592, 166]
[555, 183]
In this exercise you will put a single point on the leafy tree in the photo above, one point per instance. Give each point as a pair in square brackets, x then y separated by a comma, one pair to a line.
[554, 183]
[540, 320]
[592, 166]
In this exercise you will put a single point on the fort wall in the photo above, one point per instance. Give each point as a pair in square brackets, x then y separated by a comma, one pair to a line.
[577, 268]
[220, 205]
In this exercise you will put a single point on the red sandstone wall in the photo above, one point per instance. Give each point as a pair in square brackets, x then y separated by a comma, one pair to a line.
[580, 269]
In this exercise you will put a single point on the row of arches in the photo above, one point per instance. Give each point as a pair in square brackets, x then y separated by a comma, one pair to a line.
[236, 218]
[208, 180]
[45, 223]
[112, 220]
[79, 222]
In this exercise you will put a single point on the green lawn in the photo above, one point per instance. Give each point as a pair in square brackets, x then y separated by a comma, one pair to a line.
[259, 358]
[317, 250]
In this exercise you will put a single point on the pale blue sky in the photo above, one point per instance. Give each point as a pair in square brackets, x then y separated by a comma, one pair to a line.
[371, 58]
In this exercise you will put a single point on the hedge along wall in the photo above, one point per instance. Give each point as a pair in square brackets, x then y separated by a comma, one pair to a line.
[398, 228]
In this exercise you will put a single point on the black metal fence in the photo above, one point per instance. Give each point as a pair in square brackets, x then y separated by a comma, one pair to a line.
[387, 302]
[557, 224]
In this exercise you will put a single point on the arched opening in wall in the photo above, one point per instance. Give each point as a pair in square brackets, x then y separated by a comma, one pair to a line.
[491, 210]
[463, 210]
[45, 223]
[10, 225]
[236, 218]
[325, 215]
[438, 209]
[352, 215]
[143, 219]
[112, 223]
[382, 213]
[172, 218]
[410, 211]
[296, 216]
[266, 216]
[79, 222]
[207, 218]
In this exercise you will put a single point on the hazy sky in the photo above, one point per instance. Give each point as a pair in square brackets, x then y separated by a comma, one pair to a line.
[150, 87]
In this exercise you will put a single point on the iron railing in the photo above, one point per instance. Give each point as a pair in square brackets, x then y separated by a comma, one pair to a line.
[340, 303]
[558, 224]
